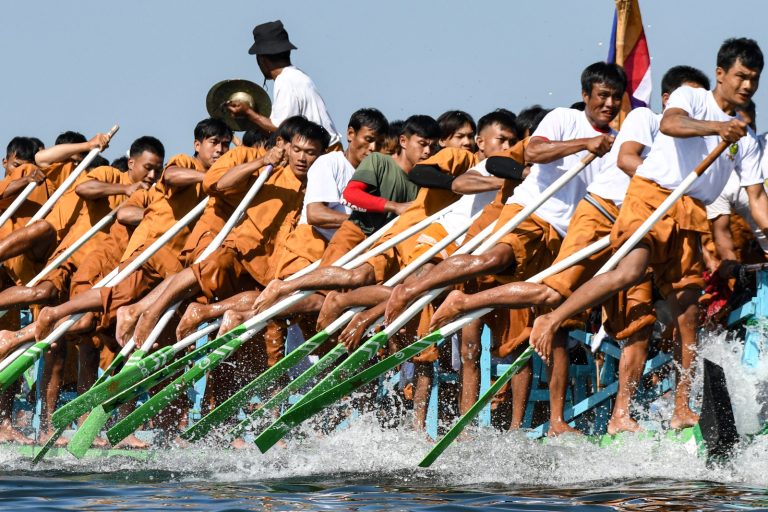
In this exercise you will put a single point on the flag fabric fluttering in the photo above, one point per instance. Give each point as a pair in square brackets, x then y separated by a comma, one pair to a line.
[629, 49]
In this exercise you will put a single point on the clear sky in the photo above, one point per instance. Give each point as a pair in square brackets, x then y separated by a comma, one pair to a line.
[148, 64]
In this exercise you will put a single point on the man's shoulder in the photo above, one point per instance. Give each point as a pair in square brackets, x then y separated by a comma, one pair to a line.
[185, 161]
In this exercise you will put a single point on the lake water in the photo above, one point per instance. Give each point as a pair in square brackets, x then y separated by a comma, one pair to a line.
[369, 468]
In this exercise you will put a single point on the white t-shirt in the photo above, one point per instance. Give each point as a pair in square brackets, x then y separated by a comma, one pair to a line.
[734, 198]
[467, 206]
[671, 159]
[559, 125]
[295, 94]
[326, 181]
[641, 125]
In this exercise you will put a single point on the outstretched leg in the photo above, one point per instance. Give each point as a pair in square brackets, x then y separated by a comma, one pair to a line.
[23, 295]
[37, 239]
[50, 316]
[197, 313]
[128, 315]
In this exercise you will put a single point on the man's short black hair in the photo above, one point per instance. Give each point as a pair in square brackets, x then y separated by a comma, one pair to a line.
[421, 125]
[120, 163]
[529, 119]
[678, 75]
[147, 143]
[500, 116]
[742, 48]
[452, 121]
[212, 127]
[254, 138]
[611, 75]
[98, 161]
[370, 118]
[288, 128]
[579, 105]
[312, 131]
[70, 137]
[24, 148]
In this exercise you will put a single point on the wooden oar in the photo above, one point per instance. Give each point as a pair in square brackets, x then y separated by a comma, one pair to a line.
[43, 211]
[368, 349]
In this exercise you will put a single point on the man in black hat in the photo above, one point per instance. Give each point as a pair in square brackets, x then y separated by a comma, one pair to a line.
[294, 93]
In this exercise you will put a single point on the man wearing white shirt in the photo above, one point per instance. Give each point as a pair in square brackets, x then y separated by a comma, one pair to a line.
[692, 125]
[294, 93]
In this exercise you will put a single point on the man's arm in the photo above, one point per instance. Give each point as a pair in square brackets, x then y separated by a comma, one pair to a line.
[543, 151]
[357, 195]
[319, 215]
[240, 174]
[629, 158]
[95, 189]
[472, 182]
[240, 109]
[758, 205]
[721, 233]
[179, 177]
[63, 152]
[16, 186]
[677, 123]
[130, 215]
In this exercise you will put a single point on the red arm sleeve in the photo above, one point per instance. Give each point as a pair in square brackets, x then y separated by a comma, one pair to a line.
[356, 195]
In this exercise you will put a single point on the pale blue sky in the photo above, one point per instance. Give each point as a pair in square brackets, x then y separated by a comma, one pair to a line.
[84, 65]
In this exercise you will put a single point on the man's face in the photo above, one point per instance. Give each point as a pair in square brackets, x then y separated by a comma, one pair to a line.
[146, 167]
[738, 84]
[362, 143]
[603, 104]
[461, 138]
[495, 138]
[211, 148]
[416, 148]
[11, 161]
[302, 153]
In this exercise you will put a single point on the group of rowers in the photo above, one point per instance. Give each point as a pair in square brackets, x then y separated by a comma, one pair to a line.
[319, 202]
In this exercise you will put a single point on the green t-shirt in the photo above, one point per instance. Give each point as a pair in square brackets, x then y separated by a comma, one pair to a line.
[384, 179]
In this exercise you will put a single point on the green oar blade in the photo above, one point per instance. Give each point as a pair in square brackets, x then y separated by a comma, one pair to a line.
[168, 394]
[321, 395]
[230, 407]
[13, 371]
[48, 445]
[473, 411]
[88, 431]
[292, 387]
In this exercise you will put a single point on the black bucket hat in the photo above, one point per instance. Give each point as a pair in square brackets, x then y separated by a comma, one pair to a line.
[270, 38]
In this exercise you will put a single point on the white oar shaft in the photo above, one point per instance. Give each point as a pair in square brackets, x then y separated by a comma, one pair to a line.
[23, 195]
[69, 180]
[533, 206]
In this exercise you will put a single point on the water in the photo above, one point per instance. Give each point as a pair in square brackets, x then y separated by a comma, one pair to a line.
[369, 468]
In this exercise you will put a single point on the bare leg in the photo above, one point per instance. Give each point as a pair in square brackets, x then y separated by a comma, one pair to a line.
[128, 315]
[454, 270]
[423, 377]
[23, 295]
[470, 363]
[325, 278]
[685, 349]
[633, 356]
[521, 389]
[50, 316]
[8, 433]
[11, 340]
[197, 313]
[595, 291]
[37, 239]
[182, 286]
[51, 383]
[336, 303]
[558, 381]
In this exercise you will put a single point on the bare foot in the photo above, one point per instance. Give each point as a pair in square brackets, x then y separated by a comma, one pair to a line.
[451, 308]
[397, 302]
[8, 434]
[269, 296]
[45, 323]
[329, 311]
[45, 436]
[132, 442]
[10, 341]
[192, 318]
[230, 320]
[127, 317]
[100, 443]
[622, 423]
[542, 334]
[356, 328]
[558, 428]
[683, 417]
[240, 444]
